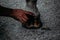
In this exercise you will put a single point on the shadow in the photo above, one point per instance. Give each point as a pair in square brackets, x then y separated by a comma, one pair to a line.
[6, 12]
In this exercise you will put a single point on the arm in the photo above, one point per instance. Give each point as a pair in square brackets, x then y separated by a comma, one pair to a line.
[21, 15]
[18, 14]
[5, 11]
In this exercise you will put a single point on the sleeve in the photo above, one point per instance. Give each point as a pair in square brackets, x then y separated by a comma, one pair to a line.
[5, 11]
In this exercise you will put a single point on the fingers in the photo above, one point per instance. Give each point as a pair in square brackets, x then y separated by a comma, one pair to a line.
[30, 13]
[23, 19]
[21, 15]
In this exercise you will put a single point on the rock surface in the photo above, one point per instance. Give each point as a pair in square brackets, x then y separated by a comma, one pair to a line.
[11, 29]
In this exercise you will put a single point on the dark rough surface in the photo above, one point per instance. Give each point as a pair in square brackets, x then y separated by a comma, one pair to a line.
[11, 29]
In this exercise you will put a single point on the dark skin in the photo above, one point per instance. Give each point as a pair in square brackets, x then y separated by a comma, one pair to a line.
[15, 13]
[21, 15]
[18, 13]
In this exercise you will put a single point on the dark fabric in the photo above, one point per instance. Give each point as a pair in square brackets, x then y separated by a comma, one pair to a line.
[5, 11]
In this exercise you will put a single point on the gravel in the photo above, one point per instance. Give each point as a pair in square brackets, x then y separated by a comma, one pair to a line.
[11, 29]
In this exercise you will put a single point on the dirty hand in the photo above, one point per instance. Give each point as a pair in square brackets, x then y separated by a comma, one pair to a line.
[21, 14]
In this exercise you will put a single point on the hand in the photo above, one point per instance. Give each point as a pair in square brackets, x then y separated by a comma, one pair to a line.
[21, 14]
